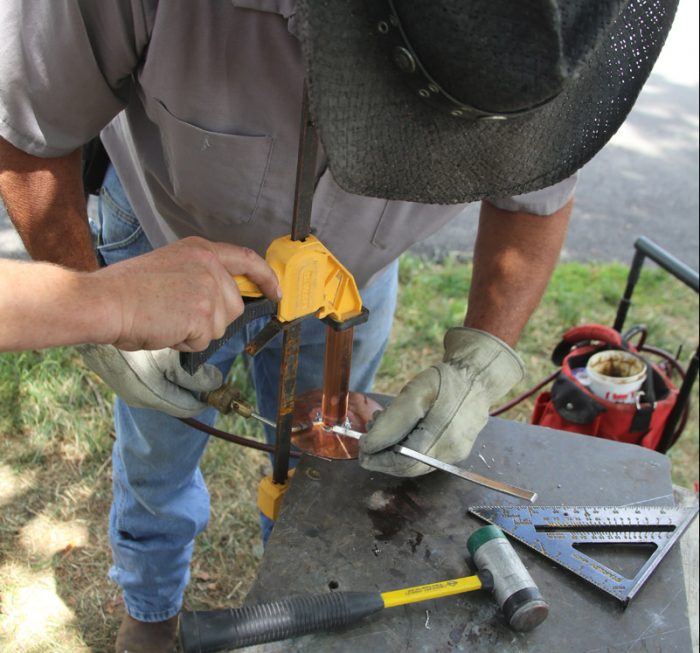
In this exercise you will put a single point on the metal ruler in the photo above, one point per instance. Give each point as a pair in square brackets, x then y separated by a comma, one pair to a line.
[557, 531]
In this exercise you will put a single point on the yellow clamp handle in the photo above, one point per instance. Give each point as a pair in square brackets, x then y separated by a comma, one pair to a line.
[312, 281]
[246, 287]
[270, 495]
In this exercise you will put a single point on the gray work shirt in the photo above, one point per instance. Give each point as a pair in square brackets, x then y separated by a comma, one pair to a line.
[198, 104]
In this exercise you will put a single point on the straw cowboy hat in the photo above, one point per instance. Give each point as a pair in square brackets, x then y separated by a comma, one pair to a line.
[446, 101]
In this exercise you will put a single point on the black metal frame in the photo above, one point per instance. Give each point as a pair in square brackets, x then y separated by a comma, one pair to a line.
[646, 248]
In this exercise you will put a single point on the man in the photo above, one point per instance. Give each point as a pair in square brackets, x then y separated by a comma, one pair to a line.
[425, 103]
[129, 305]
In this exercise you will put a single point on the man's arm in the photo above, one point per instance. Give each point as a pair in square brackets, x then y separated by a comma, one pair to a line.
[442, 410]
[182, 295]
[514, 256]
[44, 198]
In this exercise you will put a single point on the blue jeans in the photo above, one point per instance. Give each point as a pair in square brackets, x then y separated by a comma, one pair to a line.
[160, 500]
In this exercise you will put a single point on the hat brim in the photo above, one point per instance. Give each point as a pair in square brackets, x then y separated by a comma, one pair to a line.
[383, 141]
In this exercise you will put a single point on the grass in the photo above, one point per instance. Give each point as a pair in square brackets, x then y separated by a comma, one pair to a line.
[55, 424]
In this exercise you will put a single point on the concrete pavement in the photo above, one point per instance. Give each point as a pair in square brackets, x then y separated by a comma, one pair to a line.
[645, 180]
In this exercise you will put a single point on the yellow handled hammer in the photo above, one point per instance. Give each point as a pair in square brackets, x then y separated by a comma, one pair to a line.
[499, 570]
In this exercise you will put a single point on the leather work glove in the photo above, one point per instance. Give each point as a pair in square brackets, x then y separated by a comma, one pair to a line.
[152, 379]
[441, 411]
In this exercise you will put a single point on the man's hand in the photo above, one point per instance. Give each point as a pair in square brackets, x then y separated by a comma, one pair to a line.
[181, 296]
[442, 410]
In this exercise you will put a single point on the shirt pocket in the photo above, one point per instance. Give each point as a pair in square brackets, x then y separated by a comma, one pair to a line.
[214, 175]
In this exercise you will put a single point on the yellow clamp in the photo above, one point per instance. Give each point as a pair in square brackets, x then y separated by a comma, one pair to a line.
[312, 281]
[270, 495]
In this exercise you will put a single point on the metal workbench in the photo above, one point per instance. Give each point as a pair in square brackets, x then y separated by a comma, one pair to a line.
[345, 528]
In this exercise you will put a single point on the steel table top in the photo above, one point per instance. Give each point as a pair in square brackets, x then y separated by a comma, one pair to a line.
[344, 528]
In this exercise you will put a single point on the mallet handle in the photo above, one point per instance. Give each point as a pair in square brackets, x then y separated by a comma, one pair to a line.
[431, 591]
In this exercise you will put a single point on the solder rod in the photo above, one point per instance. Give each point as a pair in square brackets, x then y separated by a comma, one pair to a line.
[498, 486]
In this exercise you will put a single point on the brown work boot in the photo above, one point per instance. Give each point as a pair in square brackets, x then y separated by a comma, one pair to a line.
[142, 637]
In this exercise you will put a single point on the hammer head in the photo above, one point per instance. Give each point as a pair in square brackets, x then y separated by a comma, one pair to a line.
[502, 571]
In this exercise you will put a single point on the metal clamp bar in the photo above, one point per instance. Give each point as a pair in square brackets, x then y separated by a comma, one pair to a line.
[285, 409]
[306, 173]
[301, 228]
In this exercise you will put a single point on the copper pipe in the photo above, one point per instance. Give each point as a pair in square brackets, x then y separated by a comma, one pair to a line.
[336, 376]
